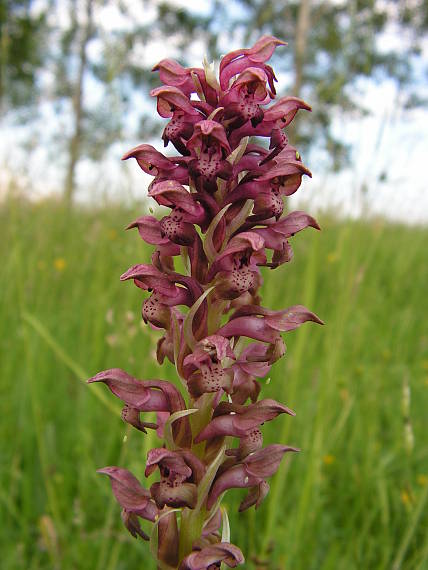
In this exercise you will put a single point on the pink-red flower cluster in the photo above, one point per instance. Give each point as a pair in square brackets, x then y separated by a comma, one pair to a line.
[225, 195]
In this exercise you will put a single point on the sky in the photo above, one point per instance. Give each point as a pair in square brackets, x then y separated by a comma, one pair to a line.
[389, 149]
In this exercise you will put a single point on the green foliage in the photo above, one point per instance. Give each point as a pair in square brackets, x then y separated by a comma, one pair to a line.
[355, 497]
[22, 50]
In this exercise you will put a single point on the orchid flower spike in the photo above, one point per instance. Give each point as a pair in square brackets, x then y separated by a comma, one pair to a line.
[224, 221]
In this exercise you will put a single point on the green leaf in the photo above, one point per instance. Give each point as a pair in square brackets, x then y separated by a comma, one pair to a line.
[188, 321]
[154, 541]
[208, 478]
[238, 153]
[225, 529]
[168, 426]
[238, 220]
[209, 248]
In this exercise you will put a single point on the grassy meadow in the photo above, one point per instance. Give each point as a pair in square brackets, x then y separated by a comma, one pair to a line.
[356, 497]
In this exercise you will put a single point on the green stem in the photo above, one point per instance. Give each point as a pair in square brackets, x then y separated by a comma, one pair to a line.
[190, 530]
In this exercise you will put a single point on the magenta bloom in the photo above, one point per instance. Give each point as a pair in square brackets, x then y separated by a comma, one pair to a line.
[224, 223]
[212, 556]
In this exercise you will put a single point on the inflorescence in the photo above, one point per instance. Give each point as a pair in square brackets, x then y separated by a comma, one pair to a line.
[226, 195]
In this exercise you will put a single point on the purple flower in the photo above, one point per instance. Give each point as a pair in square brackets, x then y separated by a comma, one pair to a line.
[180, 473]
[236, 61]
[188, 80]
[250, 473]
[145, 396]
[282, 179]
[241, 421]
[165, 294]
[203, 368]
[236, 268]
[156, 164]
[243, 102]
[209, 147]
[276, 234]
[211, 557]
[133, 498]
[265, 325]
[276, 118]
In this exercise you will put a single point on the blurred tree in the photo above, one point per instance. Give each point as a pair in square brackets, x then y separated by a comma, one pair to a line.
[22, 50]
[92, 61]
[79, 33]
[96, 65]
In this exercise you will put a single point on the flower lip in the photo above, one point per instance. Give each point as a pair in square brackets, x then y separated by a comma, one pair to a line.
[211, 556]
[239, 421]
[171, 98]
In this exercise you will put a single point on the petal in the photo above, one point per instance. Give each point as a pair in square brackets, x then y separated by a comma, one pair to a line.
[129, 493]
[130, 520]
[150, 160]
[184, 495]
[285, 108]
[171, 98]
[132, 416]
[264, 463]
[291, 318]
[162, 455]
[295, 222]
[168, 540]
[149, 230]
[132, 391]
[255, 496]
[234, 477]
[211, 555]
[251, 327]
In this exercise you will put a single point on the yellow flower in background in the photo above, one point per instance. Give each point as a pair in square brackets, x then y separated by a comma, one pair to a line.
[60, 264]
[422, 480]
[405, 498]
[332, 257]
[329, 459]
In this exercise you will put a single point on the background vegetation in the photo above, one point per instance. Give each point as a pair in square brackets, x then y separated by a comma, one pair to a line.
[355, 497]
[74, 75]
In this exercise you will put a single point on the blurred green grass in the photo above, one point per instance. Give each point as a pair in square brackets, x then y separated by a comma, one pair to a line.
[354, 498]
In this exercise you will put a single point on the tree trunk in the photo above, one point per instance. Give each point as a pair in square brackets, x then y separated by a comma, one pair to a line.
[75, 140]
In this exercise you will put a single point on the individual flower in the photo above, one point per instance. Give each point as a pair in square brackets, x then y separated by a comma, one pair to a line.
[209, 147]
[203, 368]
[211, 557]
[145, 396]
[276, 118]
[237, 61]
[188, 80]
[250, 473]
[236, 268]
[243, 422]
[264, 324]
[243, 101]
[133, 498]
[277, 233]
[268, 187]
[180, 473]
[165, 294]
[153, 162]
